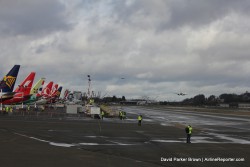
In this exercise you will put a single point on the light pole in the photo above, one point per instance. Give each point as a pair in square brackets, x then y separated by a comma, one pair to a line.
[89, 82]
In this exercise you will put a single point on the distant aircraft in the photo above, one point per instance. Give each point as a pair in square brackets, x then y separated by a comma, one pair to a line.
[8, 82]
[181, 94]
[22, 92]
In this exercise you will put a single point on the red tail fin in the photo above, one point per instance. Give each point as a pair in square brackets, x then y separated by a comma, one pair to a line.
[46, 91]
[65, 95]
[26, 85]
[54, 90]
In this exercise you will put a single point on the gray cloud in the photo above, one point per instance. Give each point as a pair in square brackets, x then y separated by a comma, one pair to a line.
[32, 17]
[159, 47]
[168, 14]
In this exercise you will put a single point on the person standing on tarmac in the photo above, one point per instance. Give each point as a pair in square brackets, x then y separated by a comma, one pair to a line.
[7, 110]
[11, 110]
[139, 120]
[188, 130]
[102, 114]
[120, 115]
[124, 115]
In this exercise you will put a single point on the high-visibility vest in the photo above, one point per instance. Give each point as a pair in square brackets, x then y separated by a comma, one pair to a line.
[139, 118]
[190, 129]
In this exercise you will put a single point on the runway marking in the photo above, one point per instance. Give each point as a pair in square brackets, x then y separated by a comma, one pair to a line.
[233, 140]
[45, 141]
[167, 141]
[201, 139]
[89, 144]
[61, 144]
[120, 144]
[74, 144]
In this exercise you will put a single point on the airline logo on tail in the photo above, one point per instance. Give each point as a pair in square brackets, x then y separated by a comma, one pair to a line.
[39, 90]
[9, 80]
[54, 90]
[35, 90]
[47, 91]
[41, 87]
[58, 92]
[26, 84]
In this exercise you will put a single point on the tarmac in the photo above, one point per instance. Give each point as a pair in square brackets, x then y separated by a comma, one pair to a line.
[64, 140]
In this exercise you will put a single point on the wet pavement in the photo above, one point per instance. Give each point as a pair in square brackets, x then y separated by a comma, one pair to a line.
[217, 140]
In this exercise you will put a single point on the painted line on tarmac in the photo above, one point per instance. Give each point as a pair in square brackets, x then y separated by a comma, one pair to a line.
[230, 139]
[46, 141]
[74, 144]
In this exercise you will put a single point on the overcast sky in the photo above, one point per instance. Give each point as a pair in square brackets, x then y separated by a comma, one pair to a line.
[160, 47]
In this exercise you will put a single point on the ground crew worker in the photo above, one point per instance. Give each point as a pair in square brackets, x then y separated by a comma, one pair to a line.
[188, 130]
[7, 110]
[102, 114]
[123, 115]
[120, 115]
[139, 120]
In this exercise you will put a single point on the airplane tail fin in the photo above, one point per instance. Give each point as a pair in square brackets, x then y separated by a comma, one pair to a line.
[26, 85]
[58, 92]
[39, 94]
[46, 91]
[8, 82]
[66, 94]
[37, 86]
[53, 90]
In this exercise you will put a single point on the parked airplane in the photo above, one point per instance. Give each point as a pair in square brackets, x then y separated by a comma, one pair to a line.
[49, 94]
[59, 91]
[53, 90]
[36, 91]
[55, 97]
[45, 95]
[46, 92]
[65, 95]
[8, 82]
[22, 92]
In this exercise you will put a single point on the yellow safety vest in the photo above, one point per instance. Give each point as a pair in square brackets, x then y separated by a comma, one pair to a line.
[190, 129]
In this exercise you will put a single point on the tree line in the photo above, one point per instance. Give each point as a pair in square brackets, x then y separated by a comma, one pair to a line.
[216, 100]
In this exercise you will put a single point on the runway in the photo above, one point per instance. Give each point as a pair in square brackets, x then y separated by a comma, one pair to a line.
[217, 140]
